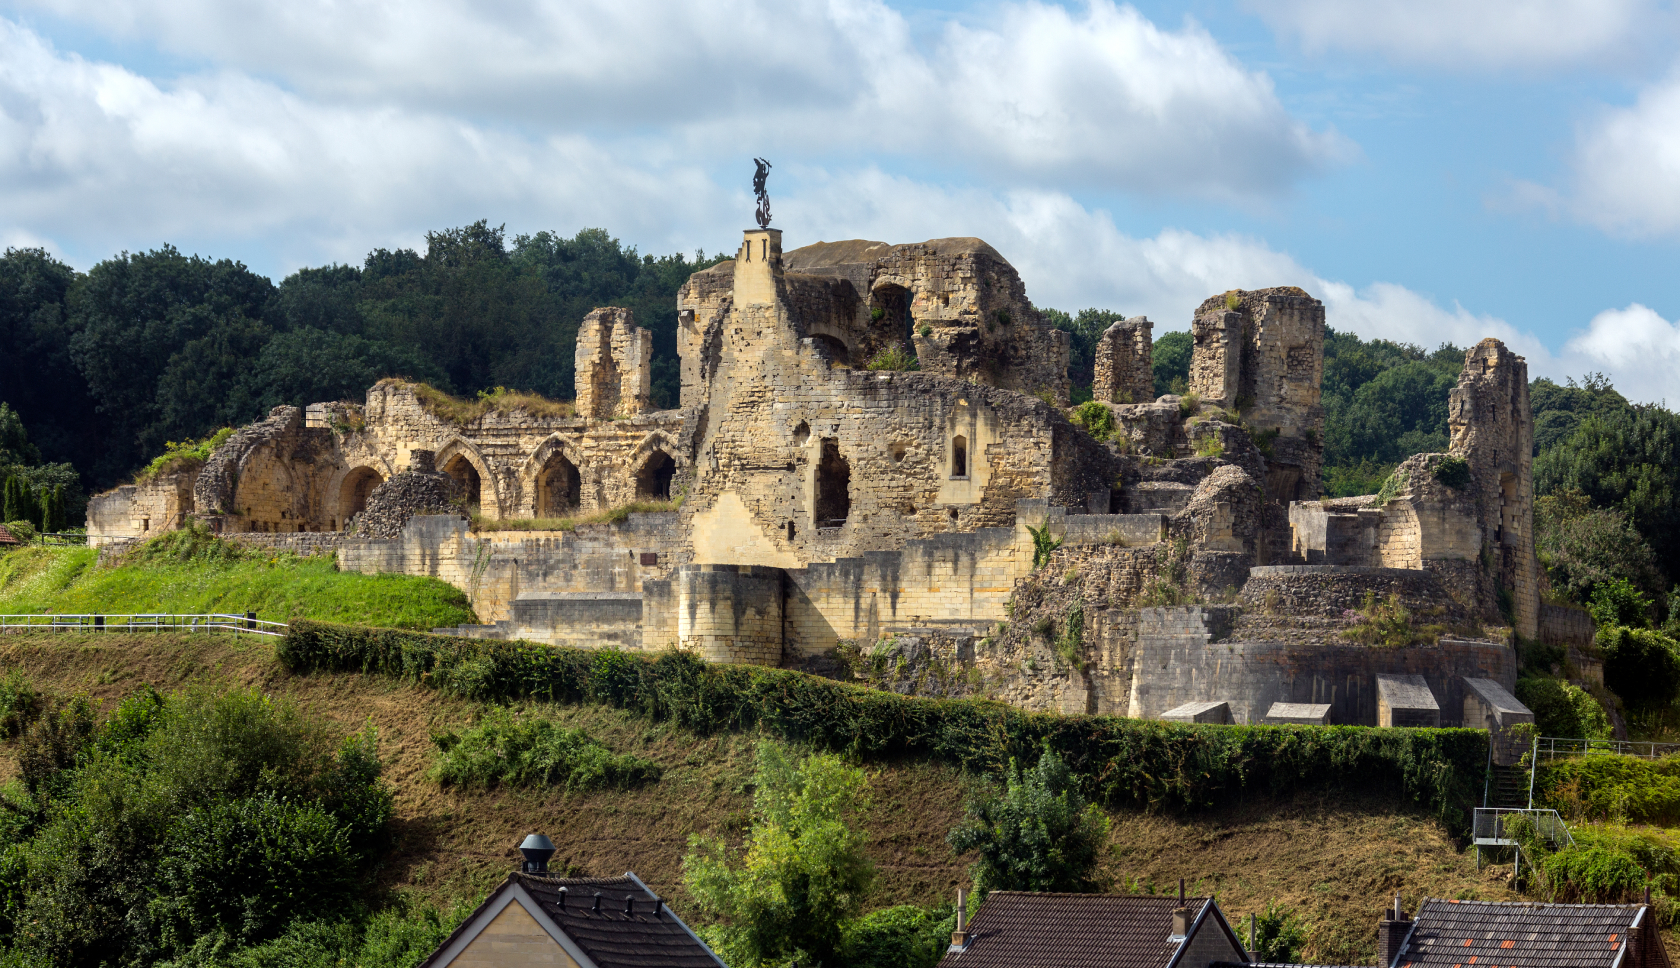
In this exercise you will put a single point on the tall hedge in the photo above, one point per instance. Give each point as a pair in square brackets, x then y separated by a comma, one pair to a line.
[1128, 761]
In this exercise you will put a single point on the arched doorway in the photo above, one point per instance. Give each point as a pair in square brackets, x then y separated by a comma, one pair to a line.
[353, 493]
[833, 348]
[466, 475]
[559, 487]
[653, 481]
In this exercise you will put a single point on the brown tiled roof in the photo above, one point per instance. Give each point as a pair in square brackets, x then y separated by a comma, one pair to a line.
[1018, 929]
[6, 536]
[1504, 934]
[650, 936]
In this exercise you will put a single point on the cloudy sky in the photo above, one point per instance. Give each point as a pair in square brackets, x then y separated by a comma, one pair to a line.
[1435, 170]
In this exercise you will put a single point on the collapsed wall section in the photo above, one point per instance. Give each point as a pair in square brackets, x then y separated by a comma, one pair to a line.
[1124, 363]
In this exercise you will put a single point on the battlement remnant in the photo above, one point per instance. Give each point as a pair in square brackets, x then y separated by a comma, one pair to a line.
[1261, 353]
[614, 365]
[1492, 429]
[1124, 360]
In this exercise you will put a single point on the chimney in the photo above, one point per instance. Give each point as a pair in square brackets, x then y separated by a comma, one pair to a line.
[1180, 917]
[959, 937]
[1391, 933]
[537, 849]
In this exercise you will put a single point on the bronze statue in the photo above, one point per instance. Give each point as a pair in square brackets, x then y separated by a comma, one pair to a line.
[763, 196]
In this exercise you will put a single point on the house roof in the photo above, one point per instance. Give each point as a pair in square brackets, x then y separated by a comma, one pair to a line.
[6, 536]
[1505, 934]
[650, 936]
[1019, 928]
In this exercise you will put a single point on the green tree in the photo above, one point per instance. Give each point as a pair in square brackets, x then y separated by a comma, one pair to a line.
[1037, 835]
[1084, 330]
[1641, 666]
[1279, 936]
[803, 874]
[1627, 459]
[1170, 362]
[37, 375]
[1559, 409]
[1583, 547]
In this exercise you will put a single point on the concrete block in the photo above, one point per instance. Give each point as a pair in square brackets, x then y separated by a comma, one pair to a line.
[1298, 714]
[1406, 701]
[1200, 712]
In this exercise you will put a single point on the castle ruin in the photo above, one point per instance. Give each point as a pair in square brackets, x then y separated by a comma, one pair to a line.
[820, 513]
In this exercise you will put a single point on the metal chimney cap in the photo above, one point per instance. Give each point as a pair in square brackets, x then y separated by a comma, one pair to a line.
[537, 849]
[537, 842]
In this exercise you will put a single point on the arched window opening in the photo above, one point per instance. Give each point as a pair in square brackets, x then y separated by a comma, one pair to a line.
[559, 488]
[834, 480]
[466, 475]
[801, 433]
[959, 456]
[653, 482]
[832, 348]
[353, 493]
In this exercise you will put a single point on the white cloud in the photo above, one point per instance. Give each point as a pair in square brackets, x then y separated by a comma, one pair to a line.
[1103, 97]
[1638, 349]
[1465, 34]
[1626, 167]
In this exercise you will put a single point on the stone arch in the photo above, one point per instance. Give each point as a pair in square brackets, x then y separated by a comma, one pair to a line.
[350, 497]
[656, 465]
[892, 297]
[553, 477]
[833, 347]
[265, 495]
[455, 458]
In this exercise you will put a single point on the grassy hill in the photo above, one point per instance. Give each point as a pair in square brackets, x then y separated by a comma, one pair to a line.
[1334, 857]
[190, 572]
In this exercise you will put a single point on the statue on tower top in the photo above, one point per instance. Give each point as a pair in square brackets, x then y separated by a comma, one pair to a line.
[759, 178]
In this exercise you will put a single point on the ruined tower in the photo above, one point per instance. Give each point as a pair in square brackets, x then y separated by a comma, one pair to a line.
[1492, 428]
[1261, 353]
[1124, 361]
[614, 372]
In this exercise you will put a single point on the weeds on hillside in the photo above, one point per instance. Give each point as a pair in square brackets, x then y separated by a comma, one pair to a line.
[1388, 624]
[1605, 865]
[611, 516]
[19, 703]
[1614, 789]
[508, 748]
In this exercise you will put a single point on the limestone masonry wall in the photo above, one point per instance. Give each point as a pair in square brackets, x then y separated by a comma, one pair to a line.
[1124, 363]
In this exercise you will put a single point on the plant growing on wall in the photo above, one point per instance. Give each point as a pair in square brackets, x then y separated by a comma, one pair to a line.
[1043, 544]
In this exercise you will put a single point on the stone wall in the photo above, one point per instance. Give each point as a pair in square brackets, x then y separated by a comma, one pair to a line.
[1330, 590]
[303, 544]
[141, 510]
[730, 613]
[1492, 428]
[1563, 625]
[1124, 363]
[1262, 352]
[614, 365]
[584, 620]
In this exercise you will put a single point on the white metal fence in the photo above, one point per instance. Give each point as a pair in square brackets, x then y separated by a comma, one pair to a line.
[247, 623]
[1489, 826]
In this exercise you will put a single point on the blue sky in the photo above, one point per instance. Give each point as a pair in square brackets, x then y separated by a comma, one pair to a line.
[1435, 170]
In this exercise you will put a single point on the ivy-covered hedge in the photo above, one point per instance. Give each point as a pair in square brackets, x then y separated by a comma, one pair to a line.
[1128, 761]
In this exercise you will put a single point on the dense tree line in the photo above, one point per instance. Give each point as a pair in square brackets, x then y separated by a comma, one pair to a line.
[105, 367]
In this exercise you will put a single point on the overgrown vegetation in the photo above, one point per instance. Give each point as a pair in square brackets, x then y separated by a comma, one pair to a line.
[895, 357]
[192, 571]
[499, 400]
[1562, 708]
[1037, 834]
[1129, 762]
[1388, 624]
[1096, 418]
[185, 827]
[1043, 544]
[183, 456]
[526, 750]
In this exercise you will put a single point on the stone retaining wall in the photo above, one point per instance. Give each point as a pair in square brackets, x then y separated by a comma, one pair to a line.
[1329, 590]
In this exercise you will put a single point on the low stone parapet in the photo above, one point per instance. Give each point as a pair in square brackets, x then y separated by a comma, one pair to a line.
[1330, 590]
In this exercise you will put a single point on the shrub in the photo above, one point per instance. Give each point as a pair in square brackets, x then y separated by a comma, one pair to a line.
[1454, 472]
[895, 357]
[1039, 834]
[1096, 418]
[905, 936]
[803, 872]
[1210, 445]
[1128, 762]
[19, 703]
[527, 751]
[1623, 789]
[23, 531]
[1602, 866]
[1190, 404]
[1640, 666]
[1279, 936]
[1562, 709]
[1617, 602]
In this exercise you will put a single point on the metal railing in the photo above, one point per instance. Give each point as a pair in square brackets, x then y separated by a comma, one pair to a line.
[1550, 746]
[1488, 828]
[247, 623]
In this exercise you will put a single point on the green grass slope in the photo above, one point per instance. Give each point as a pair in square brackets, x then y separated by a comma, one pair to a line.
[184, 573]
[1336, 859]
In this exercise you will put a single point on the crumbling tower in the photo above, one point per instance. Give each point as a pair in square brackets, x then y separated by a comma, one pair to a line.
[1124, 372]
[1492, 428]
[1261, 353]
[614, 372]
